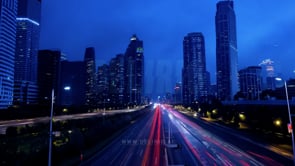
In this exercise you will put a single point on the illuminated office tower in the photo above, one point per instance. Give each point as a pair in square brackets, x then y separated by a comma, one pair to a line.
[194, 76]
[116, 78]
[26, 50]
[268, 68]
[226, 51]
[103, 85]
[8, 11]
[134, 75]
[90, 76]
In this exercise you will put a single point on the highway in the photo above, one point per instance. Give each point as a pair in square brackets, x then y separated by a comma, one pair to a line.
[167, 137]
[140, 144]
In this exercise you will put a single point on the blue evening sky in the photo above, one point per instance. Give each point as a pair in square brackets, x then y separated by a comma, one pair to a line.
[265, 29]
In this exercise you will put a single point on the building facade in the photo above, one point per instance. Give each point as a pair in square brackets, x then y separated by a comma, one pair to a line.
[8, 12]
[90, 76]
[27, 45]
[116, 77]
[226, 51]
[250, 81]
[268, 71]
[48, 75]
[194, 76]
[134, 72]
[103, 85]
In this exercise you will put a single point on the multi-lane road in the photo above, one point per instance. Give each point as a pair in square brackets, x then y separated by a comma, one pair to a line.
[167, 137]
[140, 144]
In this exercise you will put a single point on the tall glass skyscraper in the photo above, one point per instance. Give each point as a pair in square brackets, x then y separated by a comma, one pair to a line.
[134, 71]
[8, 11]
[90, 76]
[117, 79]
[48, 74]
[27, 45]
[194, 76]
[103, 84]
[226, 51]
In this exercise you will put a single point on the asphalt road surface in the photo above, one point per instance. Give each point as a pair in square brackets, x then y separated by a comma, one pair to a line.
[167, 137]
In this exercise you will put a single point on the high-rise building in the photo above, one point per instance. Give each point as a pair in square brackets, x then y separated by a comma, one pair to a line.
[194, 76]
[27, 45]
[134, 75]
[103, 85]
[72, 83]
[48, 75]
[90, 76]
[116, 77]
[250, 80]
[268, 71]
[8, 11]
[226, 51]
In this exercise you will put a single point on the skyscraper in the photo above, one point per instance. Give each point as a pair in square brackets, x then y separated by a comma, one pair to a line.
[90, 76]
[27, 45]
[8, 11]
[226, 51]
[268, 71]
[194, 76]
[103, 84]
[134, 75]
[48, 74]
[116, 77]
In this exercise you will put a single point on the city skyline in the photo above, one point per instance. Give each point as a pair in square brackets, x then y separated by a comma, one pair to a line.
[148, 100]
[107, 28]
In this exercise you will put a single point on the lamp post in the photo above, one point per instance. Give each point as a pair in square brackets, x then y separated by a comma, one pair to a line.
[50, 129]
[290, 116]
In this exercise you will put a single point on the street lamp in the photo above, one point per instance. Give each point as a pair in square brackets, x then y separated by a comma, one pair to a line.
[50, 129]
[290, 117]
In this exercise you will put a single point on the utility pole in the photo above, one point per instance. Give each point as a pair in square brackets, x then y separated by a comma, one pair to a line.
[290, 120]
[50, 129]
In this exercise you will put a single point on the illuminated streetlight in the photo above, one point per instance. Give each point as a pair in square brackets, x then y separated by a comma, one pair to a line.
[50, 129]
[242, 116]
[278, 122]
